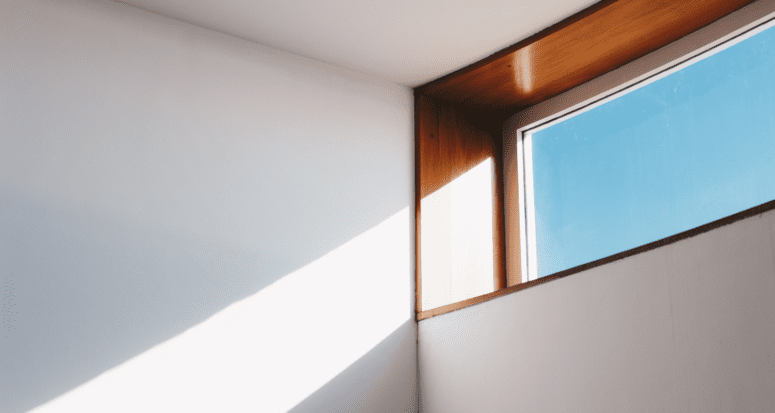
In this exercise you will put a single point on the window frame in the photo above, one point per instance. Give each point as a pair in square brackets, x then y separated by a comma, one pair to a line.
[526, 191]
[657, 35]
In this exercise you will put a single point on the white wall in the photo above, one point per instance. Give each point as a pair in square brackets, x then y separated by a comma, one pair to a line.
[192, 222]
[688, 327]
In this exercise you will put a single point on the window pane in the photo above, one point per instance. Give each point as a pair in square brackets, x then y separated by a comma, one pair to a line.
[690, 148]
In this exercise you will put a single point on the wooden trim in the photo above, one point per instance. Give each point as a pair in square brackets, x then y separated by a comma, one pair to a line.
[748, 213]
[417, 165]
[449, 141]
[516, 46]
[499, 223]
[511, 208]
[595, 41]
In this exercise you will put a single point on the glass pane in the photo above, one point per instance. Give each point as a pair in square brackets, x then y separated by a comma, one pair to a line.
[690, 148]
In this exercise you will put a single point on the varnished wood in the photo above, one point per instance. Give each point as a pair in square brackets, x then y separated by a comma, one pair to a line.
[595, 41]
[420, 119]
[458, 117]
[499, 223]
[751, 212]
[512, 228]
[449, 141]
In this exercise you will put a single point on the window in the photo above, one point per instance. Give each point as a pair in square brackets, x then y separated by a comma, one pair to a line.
[639, 171]
[687, 146]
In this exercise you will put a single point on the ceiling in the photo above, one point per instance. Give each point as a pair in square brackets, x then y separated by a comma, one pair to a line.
[409, 42]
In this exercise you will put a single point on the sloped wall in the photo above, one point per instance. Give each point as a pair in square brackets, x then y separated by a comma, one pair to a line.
[687, 327]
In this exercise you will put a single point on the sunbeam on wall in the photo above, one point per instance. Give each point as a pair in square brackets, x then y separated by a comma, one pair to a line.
[274, 348]
[457, 239]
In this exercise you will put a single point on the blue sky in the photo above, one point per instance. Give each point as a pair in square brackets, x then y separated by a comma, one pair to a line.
[690, 148]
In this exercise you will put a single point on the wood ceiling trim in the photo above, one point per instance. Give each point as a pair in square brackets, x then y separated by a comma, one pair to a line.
[593, 42]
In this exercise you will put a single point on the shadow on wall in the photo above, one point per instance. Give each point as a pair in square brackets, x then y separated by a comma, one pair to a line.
[91, 295]
[369, 384]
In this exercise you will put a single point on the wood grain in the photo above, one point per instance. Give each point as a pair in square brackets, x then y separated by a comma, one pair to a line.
[595, 41]
[449, 141]
[420, 121]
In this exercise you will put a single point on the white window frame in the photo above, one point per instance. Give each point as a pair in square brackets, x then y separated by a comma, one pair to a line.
[528, 249]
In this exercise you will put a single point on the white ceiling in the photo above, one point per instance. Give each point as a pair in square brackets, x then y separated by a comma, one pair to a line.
[409, 42]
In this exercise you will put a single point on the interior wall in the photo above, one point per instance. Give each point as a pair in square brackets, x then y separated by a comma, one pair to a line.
[193, 222]
[685, 327]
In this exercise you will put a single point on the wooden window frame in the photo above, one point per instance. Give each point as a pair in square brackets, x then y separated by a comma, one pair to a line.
[579, 52]
[528, 242]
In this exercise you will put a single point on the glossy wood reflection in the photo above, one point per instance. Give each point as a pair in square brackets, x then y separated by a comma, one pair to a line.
[589, 44]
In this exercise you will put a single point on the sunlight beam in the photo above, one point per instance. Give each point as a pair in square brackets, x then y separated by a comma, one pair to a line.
[524, 73]
[457, 239]
[275, 348]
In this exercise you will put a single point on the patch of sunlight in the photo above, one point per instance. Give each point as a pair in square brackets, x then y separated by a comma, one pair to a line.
[273, 349]
[457, 239]
[524, 72]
